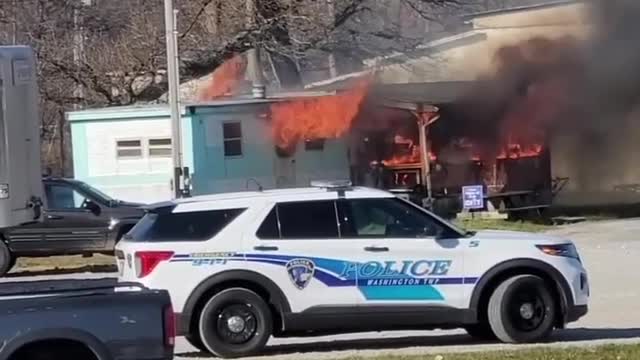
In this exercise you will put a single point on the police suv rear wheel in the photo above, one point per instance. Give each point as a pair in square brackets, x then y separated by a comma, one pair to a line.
[235, 322]
[196, 342]
[522, 310]
[481, 331]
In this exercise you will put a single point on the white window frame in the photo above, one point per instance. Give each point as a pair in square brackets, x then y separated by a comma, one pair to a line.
[151, 147]
[224, 140]
[121, 158]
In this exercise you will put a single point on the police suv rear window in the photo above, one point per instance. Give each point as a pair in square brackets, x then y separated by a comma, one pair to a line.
[186, 226]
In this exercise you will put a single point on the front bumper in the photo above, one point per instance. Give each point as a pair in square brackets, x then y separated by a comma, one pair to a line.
[576, 312]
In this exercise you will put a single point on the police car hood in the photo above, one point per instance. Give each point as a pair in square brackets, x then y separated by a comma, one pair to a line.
[518, 235]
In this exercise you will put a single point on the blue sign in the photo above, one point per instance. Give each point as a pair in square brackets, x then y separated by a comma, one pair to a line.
[472, 197]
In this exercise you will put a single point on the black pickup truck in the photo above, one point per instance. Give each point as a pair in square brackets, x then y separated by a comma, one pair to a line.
[78, 219]
[95, 319]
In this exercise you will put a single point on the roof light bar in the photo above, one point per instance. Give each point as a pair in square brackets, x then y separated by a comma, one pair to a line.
[331, 184]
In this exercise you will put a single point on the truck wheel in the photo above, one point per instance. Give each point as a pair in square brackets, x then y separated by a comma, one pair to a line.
[6, 259]
[235, 322]
[522, 310]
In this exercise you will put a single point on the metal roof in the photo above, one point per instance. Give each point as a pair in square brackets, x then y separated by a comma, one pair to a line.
[520, 8]
[162, 110]
[433, 93]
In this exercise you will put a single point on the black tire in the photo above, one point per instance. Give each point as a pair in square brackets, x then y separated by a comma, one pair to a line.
[481, 331]
[522, 310]
[6, 259]
[196, 342]
[244, 306]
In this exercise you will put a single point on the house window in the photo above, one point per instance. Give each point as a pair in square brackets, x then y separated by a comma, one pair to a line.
[160, 148]
[232, 138]
[128, 149]
[314, 144]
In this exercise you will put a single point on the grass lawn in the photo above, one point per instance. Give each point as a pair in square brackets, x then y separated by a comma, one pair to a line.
[65, 264]
[496, 224]
[611, 352]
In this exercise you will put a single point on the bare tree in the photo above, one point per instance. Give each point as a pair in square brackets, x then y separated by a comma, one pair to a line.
[114, 51]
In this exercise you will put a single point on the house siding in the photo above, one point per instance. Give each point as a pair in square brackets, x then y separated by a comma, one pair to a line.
[214, 172]
[94, 136]
[144, 179]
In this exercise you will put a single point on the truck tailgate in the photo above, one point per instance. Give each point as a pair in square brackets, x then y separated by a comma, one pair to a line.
[129, 321]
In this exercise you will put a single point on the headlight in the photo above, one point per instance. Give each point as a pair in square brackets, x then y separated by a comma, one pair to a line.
[565, 250]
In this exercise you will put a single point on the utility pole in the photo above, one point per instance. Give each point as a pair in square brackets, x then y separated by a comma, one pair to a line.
[78, 51]
[78, 59]
[174, 83]
[14, 24]
[333, 71]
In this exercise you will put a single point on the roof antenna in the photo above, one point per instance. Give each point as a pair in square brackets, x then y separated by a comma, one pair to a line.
[255, 181]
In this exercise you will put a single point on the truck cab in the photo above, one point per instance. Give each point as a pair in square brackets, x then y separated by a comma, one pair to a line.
[78, 219]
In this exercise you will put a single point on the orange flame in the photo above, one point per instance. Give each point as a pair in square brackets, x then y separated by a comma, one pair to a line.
[511, 151]
[408, 159]
[517, 151]
[322, 117]
[225, 79]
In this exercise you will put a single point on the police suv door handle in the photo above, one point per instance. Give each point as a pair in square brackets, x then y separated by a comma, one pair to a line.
[376, 248]
[265, 248]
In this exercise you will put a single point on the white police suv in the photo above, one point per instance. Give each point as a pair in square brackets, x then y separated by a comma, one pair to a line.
[241, 267]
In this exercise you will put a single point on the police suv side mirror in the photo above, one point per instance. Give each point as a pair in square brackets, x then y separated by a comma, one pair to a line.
[444, 234]
[93, 207]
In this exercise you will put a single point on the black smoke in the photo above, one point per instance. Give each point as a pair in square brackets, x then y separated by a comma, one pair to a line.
[578, 95]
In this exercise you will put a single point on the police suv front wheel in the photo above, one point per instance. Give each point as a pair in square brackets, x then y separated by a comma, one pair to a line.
[522, 310]
[235, 322]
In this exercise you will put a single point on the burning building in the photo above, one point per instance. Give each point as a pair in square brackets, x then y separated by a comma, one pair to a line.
[528, 100]
[415, 137]
[228, 145]
[520, 101]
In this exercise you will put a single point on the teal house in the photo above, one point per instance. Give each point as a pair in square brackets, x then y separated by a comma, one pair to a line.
[227, 145]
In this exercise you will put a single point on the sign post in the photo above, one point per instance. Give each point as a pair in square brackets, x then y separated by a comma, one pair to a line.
[473, 197]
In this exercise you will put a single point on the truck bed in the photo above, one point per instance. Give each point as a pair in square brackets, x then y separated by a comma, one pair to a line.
[116, 320]
[61, 286]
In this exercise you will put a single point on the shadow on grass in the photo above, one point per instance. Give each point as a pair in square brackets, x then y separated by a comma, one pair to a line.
[564, 336]
[106, 268]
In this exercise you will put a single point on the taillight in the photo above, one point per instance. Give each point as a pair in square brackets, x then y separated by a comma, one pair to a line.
[146, 261]
[169, 321]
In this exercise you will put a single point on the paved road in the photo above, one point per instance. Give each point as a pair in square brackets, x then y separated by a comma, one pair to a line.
[609, 249]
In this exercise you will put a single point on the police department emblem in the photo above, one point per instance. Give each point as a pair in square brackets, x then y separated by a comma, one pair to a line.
[300, 272]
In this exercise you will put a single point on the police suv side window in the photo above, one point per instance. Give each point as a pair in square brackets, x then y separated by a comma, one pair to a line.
[307, 220]
[64, 197]
[384, 218]
[183, 226]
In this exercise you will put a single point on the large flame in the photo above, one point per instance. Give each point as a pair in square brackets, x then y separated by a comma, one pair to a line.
[323, 117]
[225, 79]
